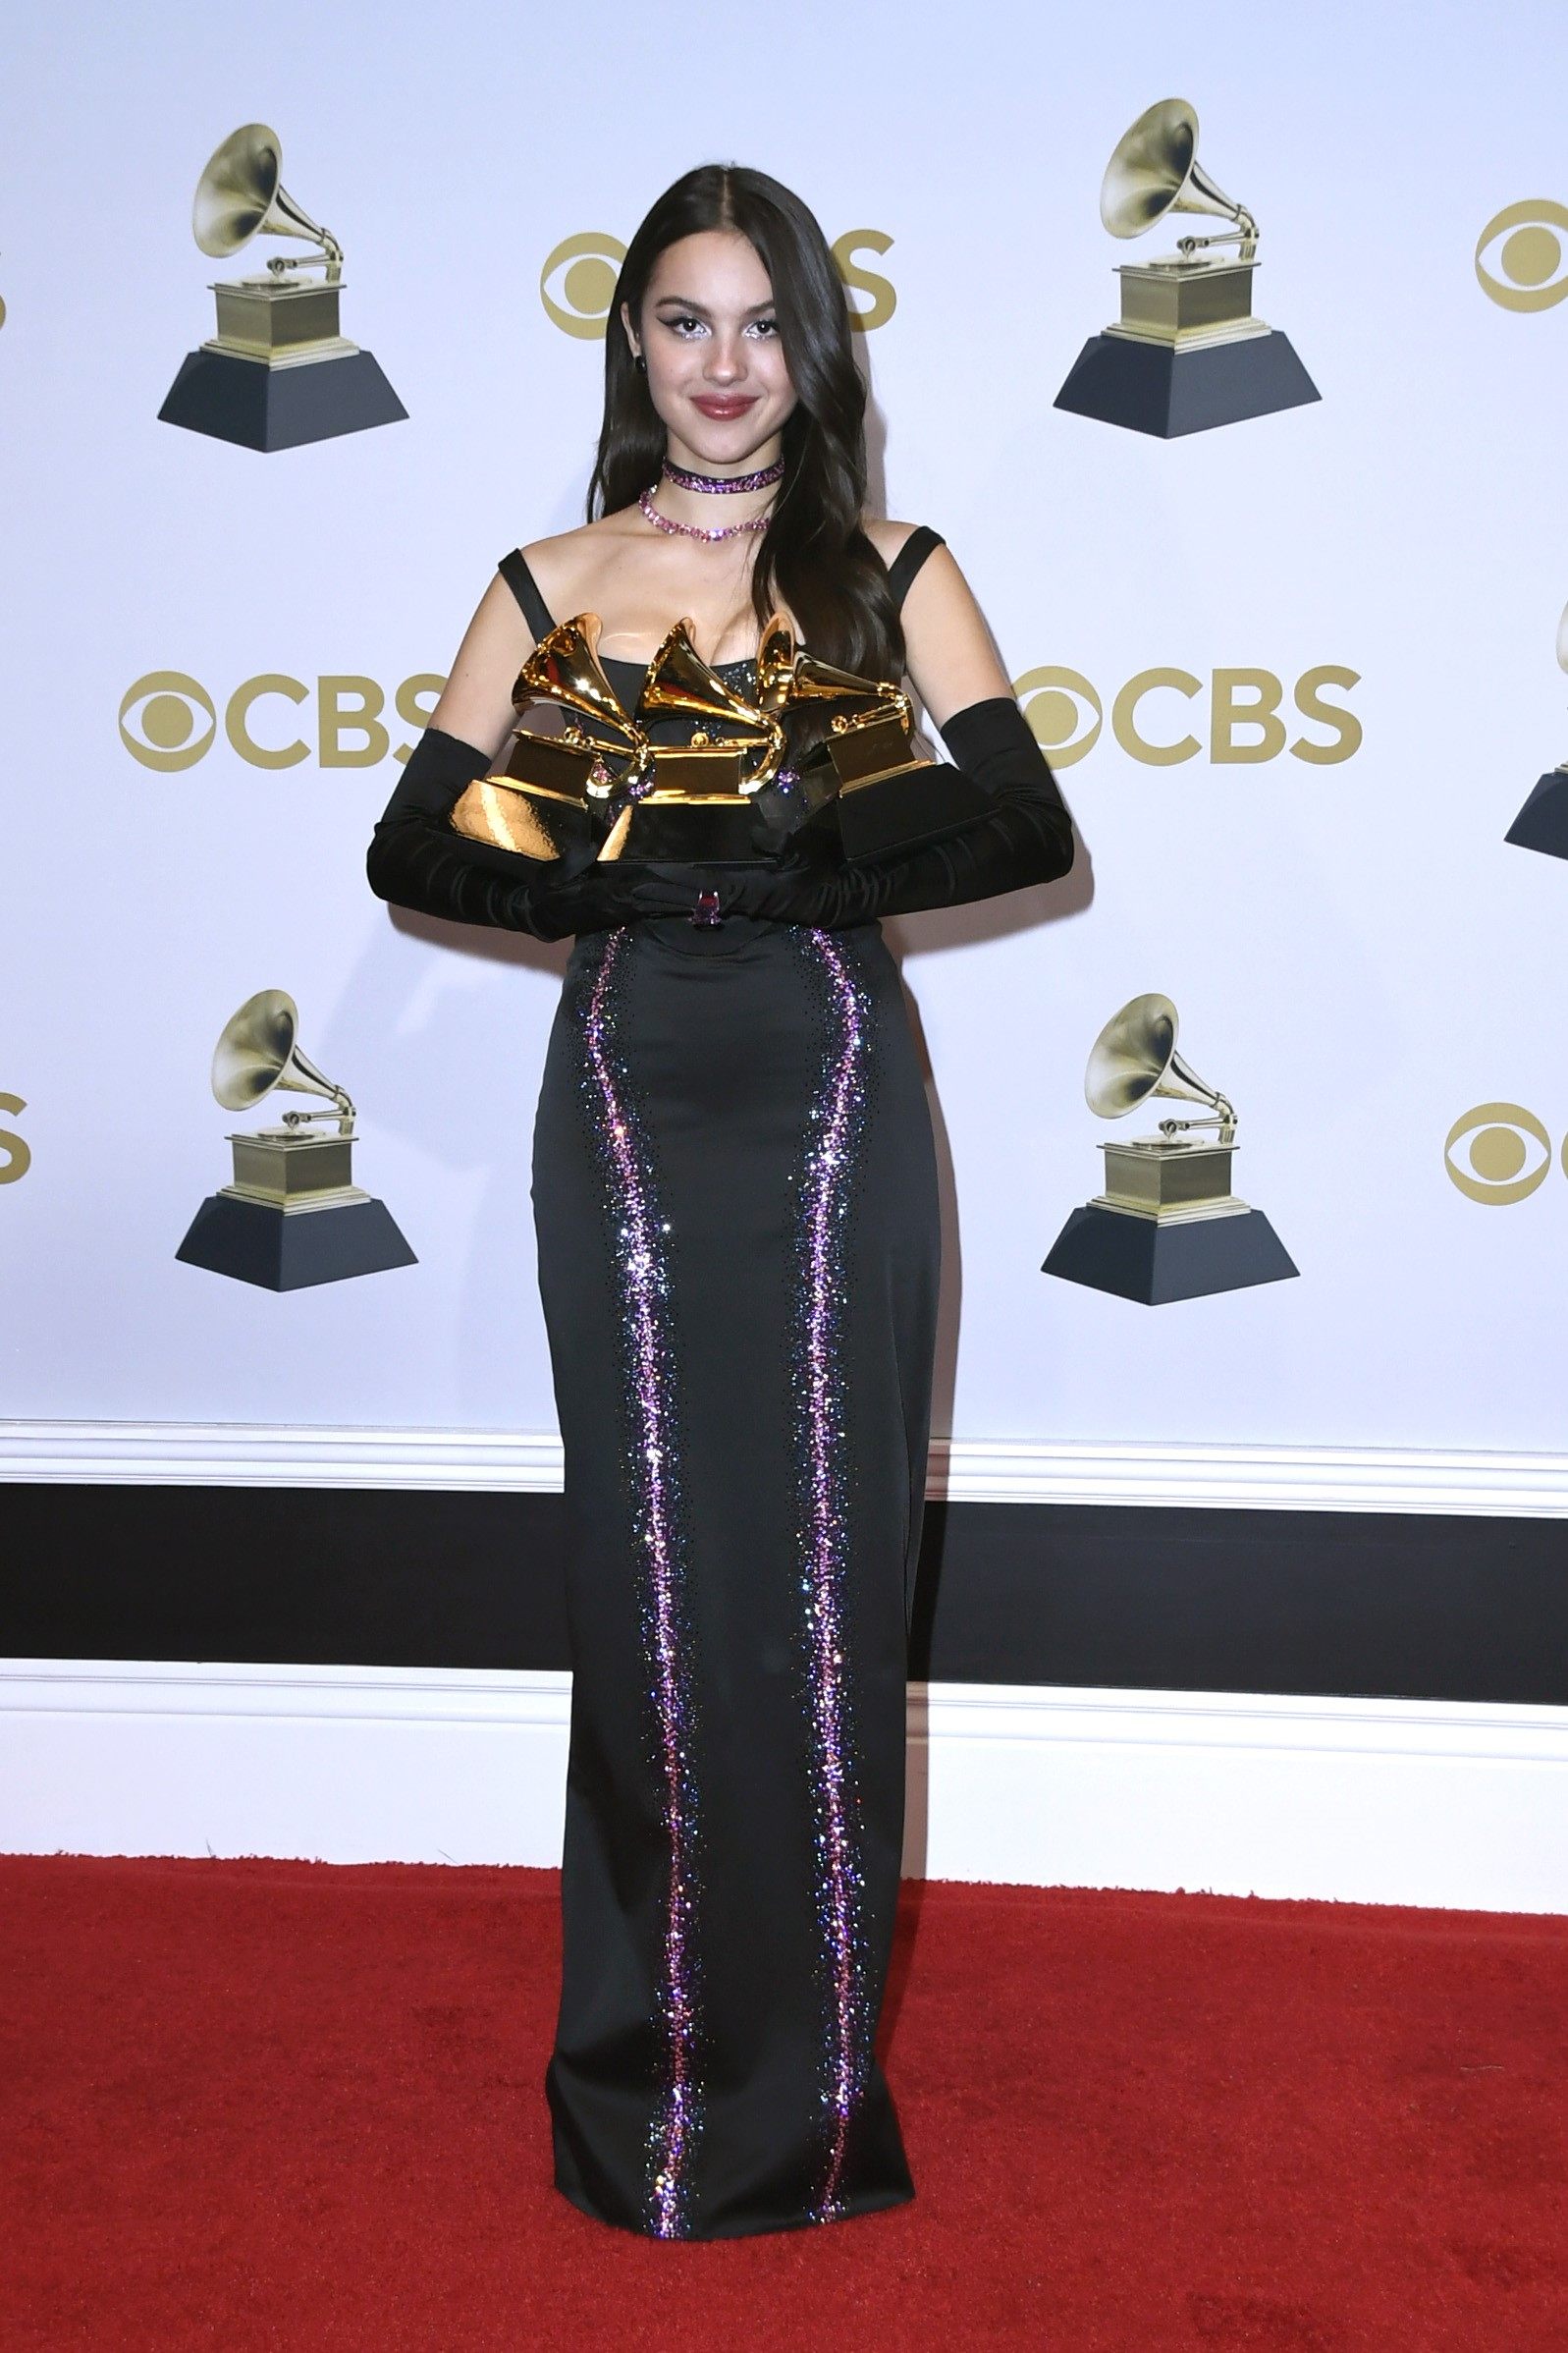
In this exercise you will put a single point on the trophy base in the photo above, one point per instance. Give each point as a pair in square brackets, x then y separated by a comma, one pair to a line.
[721, 832]
[282, 1249]
[1543, 823]
[919, 802]
[535, 824]
[1143, 1259]
[1152, 388]
[262, 408]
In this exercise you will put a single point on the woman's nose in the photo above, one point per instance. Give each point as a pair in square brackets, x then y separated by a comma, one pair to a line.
[725, 359]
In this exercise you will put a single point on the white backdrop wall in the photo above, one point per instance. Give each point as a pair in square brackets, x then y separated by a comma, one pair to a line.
[1357, 956]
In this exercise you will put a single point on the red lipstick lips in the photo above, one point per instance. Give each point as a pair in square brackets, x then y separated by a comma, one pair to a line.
[719, 405]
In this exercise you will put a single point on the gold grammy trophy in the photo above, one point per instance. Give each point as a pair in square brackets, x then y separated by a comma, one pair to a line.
[550, 795]
[1543, 823]
[693, 798]
[703, 798]
[1187, 352]
[278, 373]
[884, 791]
[293, 1215]
[1168, 1225]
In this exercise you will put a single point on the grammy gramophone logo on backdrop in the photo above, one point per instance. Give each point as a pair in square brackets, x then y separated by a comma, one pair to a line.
[578, 283]
[1168, 1225]
[1187, 352]
[292, 1216]
[278, 371]
[1543, 823]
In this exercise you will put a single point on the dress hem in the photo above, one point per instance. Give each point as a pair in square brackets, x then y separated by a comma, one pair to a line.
[852, 2211]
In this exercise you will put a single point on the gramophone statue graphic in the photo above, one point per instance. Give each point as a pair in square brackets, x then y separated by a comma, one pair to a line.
[278, 373]
[1168, 1225]
[601, 778]
[1186, 352]
[293, 1215]
[1543, 823]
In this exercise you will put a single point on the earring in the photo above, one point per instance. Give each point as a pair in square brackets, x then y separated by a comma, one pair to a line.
[638, 361]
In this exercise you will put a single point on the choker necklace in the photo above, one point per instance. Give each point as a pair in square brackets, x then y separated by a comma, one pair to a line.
[693, 530]
[721, 483]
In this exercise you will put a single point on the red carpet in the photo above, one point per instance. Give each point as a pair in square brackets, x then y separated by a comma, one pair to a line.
[291, 2105]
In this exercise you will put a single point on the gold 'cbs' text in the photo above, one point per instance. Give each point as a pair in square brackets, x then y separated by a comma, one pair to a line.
[169, 721]
[16, 1157]
[1244, 721]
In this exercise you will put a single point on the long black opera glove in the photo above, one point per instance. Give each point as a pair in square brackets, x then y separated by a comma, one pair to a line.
[418, 859]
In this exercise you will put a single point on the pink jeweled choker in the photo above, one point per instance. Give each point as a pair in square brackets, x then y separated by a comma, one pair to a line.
[719, 484]
[695, 530]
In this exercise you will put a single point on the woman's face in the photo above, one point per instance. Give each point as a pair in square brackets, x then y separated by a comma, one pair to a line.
[716, 367]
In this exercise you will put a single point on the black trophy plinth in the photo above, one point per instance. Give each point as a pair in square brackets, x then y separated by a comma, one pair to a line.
[1543, 823]
[1153, 1262]
[1156, 388]
[291, 1249]
[263, 408]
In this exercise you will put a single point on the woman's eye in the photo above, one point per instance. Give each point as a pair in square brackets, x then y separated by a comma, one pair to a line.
[681, 323]
[764, 326]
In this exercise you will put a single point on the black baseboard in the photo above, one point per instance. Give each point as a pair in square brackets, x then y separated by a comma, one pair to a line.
[1329, 1602]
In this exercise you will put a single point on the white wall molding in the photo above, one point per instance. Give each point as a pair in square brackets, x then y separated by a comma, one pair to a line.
[1369, 1800]
[1271, 1478]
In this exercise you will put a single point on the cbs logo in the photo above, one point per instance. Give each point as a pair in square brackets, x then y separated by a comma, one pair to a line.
[589, 264]
[1244, 724]
[1531, 256]
[1506, 1154]
[168, 719]
[16, 1154]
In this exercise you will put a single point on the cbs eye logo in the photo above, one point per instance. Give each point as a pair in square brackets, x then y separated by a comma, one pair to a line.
[1067, 716]
[1530, 257]
[1498, 1153]
[588, 265]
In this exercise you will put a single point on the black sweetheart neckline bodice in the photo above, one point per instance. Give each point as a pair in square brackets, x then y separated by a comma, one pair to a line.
[611, 663]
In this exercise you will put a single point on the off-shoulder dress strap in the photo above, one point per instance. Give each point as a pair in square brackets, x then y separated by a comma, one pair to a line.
[514, 569]
[907, 561]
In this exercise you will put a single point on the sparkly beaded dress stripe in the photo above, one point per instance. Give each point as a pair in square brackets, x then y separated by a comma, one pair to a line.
[735, 1198]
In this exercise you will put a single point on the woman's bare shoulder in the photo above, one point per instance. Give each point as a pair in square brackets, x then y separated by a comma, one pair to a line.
[887, 537]
[564, 563]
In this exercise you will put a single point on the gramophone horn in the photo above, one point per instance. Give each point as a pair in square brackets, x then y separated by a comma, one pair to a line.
[680, 680]
[775, 661]
[259, 1051]
[565, 668]
[241, 195]
[1135, 1056]
[1155, 170]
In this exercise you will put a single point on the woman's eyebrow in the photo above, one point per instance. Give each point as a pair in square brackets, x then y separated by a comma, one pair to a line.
[701, 310]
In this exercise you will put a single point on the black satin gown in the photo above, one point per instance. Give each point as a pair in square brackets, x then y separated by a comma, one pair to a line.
[734, 1196]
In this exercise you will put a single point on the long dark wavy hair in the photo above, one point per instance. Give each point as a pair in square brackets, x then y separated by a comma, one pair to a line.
[814, 557]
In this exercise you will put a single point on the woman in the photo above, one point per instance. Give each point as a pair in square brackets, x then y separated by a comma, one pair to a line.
[735, 1208]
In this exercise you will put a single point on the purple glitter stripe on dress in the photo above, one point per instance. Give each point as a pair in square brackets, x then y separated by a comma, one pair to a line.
[836, 1118]
[643, 1285]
